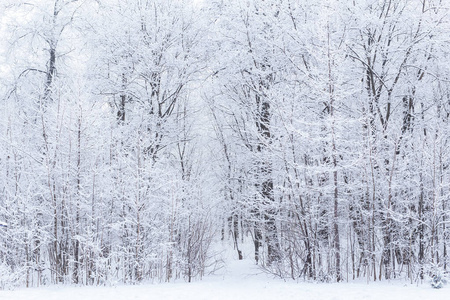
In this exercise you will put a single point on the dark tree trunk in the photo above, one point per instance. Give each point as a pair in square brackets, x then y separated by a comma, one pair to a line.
[266, 186]
[122, 102]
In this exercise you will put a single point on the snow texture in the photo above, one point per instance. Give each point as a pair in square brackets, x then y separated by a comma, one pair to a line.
[240, 280]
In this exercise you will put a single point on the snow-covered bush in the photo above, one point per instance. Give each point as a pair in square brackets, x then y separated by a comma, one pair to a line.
[438, 281]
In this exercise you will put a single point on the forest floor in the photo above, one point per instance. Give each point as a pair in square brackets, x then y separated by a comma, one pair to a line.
[239, 280]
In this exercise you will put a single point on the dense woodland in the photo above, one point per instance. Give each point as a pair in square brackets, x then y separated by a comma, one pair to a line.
[138, 138]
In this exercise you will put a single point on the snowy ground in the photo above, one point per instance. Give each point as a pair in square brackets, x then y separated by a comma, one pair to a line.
[241, 280]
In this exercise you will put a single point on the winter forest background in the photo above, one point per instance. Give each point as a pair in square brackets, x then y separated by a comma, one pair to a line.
[137, 135]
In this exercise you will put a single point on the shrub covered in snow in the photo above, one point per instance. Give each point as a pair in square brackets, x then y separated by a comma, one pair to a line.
[438, 281]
